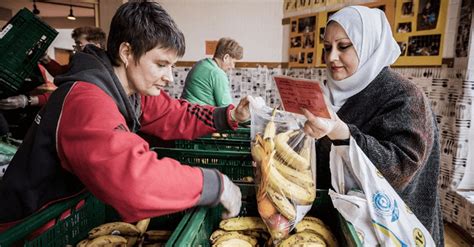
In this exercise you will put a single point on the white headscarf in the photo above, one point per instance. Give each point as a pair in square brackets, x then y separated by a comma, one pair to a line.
[371, 35]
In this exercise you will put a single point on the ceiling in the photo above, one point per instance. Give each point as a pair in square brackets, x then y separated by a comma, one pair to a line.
[53, 8]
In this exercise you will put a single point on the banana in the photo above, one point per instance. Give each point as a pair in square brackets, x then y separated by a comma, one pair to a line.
[303, 239]
[131, 241]
[157, 235]
[258, 152]
[291, 190]
[116, 228]
[111, 240]
[316, 225]
[247, 179]
[258, 234]
[235, 242]
[83, 243]
[217, 234]
[243, 223]
[142, 225]
[282, 203]
[268, 145]
[306, 150]
[251, 233]
[258, 139]
[234, 235]
[301, 178]
[270, 129]
[288, 155]
[266, 207]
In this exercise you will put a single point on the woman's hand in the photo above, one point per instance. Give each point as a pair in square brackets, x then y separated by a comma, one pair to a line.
[318, 127]
[241, 113]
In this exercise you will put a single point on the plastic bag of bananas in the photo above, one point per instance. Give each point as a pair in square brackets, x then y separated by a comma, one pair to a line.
[285, 167]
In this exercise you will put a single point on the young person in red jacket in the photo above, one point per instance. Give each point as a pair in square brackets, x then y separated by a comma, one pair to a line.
[84, 138]
[82, 36]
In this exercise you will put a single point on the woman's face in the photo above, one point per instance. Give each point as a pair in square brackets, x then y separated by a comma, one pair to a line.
[153, 72]
[340, 54]
[228, 63]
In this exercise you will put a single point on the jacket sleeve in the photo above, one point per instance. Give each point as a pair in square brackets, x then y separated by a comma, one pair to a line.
[400, 140]
[172, 119]
[43, 98]
[54, 68]
[117, 166]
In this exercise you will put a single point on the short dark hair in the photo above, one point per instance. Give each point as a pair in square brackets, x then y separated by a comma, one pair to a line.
[228, 46]
[144, 25]
[92, 34]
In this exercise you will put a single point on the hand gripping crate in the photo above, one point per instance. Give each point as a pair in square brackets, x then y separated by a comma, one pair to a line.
[205, 221]
[235, 164]
[23, 40]
[72, 219]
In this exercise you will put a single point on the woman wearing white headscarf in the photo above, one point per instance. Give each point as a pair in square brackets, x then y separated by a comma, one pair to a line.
[388, 116]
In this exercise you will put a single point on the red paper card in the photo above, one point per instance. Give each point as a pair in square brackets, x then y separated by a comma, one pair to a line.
[299, 93]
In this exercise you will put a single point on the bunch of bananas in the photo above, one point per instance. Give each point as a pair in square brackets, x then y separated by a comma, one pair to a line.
[286, 178]
[240, 231]
[310, 231]
[125, 234]
[251, 231]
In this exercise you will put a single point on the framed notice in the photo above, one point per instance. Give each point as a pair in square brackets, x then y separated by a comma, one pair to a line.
[211, 47]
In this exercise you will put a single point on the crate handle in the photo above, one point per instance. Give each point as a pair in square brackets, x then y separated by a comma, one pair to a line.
[37, 220]
[33, 51]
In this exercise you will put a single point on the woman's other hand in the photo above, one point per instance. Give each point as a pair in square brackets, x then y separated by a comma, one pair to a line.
[318, 127]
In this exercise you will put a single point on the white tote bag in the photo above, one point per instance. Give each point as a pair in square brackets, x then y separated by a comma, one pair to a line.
[368, 201]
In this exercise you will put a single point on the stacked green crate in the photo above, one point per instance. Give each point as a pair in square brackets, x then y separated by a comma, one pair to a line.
[85, 213]
[235, 164]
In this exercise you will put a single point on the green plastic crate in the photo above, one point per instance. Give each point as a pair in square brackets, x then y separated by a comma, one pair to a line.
[74, 228]
[7, 149]
[23, 40]
[7, 152]
[238, 134]
[204, 221]
[234, 164]
[211, 144]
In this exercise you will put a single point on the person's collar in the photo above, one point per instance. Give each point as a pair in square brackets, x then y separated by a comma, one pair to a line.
[219, 62]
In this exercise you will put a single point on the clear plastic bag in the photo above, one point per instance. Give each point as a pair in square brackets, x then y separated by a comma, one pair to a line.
[285, 167]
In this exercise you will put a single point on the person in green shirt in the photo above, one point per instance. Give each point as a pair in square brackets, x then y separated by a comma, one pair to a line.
[207, 82]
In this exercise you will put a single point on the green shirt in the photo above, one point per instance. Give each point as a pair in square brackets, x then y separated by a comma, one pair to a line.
[207, 84]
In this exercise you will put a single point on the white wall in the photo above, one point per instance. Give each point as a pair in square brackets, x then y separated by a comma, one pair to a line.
[62, 41]
[255, 24]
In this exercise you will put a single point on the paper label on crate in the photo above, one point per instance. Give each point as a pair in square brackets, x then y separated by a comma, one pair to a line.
[301, 211]
[300, 93]
[5, 30]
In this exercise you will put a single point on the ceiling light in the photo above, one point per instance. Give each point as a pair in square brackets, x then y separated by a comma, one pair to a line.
[71, 15]
[35, 9]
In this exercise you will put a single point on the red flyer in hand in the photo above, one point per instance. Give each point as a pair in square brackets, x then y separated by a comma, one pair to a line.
[301, 93]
